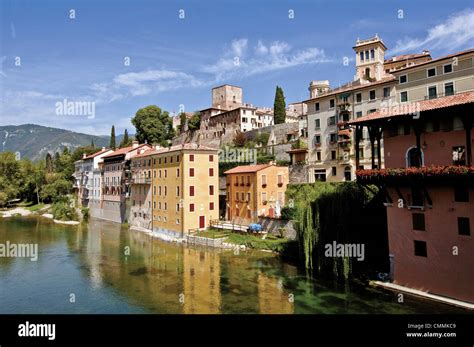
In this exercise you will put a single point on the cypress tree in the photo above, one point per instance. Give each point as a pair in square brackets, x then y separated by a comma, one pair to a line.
[112, 138]
[279, 107]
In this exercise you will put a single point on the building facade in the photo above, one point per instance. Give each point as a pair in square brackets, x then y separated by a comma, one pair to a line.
[331, 152]
[429, 176]
[255, 190]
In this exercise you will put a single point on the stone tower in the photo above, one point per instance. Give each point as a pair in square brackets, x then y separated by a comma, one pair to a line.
[370, 57]
[226, 97]
[316, 88]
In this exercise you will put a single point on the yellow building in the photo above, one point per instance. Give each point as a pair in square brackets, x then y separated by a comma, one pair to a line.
[185, 188]
[255, 190]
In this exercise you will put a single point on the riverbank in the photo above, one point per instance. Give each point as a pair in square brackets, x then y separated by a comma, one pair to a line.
[38, 210]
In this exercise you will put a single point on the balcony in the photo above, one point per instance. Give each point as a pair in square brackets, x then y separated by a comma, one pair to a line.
[141, 180]
[432, 174]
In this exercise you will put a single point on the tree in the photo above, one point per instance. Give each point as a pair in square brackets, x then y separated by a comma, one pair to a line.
[182, 121]
[126, 141]
[279, 107]
[239, 139]
[112, 138]
[92, 143]
[194, 122]
[49, 163]
[153, 126]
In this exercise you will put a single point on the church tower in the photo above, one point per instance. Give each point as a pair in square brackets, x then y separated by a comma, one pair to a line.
[370, 56]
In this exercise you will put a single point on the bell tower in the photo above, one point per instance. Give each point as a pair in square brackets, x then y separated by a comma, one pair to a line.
[370, 56]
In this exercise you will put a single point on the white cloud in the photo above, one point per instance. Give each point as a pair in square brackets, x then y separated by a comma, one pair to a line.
[456, 32]
[274, 56]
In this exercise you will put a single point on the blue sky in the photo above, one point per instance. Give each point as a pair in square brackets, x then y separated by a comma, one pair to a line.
[177, 61]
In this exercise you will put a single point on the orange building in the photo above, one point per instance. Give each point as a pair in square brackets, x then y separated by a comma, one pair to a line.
[255, 190]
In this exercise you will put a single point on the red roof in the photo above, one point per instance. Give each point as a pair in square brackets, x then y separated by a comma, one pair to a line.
[247, 168]
[398, 58]
[420, 106]
[90, 156]
[124, 150]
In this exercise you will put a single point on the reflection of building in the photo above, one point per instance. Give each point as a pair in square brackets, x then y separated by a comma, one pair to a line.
[330, 140]
[255, 190]
[430, 211]
[201, 281]
[140, 190]
[272, 298]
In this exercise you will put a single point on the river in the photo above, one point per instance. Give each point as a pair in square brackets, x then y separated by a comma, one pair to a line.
[102, 267]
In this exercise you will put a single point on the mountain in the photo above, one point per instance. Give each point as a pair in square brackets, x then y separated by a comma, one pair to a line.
[34, 141]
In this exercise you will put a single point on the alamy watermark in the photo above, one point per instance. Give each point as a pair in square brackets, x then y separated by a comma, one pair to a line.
[391, 108]
[237, 155]
[19, 250]
[75, 108]
[345, 250]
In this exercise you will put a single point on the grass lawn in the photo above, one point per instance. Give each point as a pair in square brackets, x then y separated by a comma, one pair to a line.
[271, 242]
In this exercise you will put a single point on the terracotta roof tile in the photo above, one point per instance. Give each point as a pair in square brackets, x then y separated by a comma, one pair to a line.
[186, 146]
[421, 106]
[90, 156]
[124, 150]
[247, 168]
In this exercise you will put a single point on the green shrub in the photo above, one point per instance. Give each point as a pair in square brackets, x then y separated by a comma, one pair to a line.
[85, 213]
[62, 211]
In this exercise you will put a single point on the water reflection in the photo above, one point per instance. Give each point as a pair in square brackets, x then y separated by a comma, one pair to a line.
[114, 270]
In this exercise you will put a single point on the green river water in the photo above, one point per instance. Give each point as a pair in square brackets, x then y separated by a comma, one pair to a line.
[86, 269]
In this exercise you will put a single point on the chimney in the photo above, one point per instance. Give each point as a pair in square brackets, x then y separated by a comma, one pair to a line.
[134, 144]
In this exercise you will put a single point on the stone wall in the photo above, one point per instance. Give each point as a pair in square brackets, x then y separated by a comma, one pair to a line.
[298, 173]
[272, 226]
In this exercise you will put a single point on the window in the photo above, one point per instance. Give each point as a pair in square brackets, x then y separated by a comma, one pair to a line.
[211, 190]
[177, 158]
[316, 107]
[280, 179]
[361, 153]
[318, 155]
[347, 173]
[461, 193]
[432, 94]
[414, 157]
[361, 56]
[264, 180]
[359, 97]
[463, 226]
[420, 248]
[211, 206]
[332, 120]
[331, 103]
[431, 72]
[317, 140]
[386, 92]
[459, 155]
[448, 68]
[448, 89]
[372, 54]
[359, 114]
[236, 196]
[333, 155]
[211, 157]
[334, 171]
[264, 196]
[191, 172]
[242, 195]
[417, 198]
[403, 96]
[418, 220]
[248, 197]
[320, 175]
[177, 172]
[248, 180]
[191, 157]
[317, 123]
[177, 191]
[191, 207]
[366, 55]
[333, 138]
[177, 207]
[403, 79]
[191, 190]
[372, 95]
[166, 173]
[166, 190]
[211, 172]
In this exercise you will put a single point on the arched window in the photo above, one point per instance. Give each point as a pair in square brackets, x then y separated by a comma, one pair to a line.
[414, 157]
[367, 73]
[347, 173]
